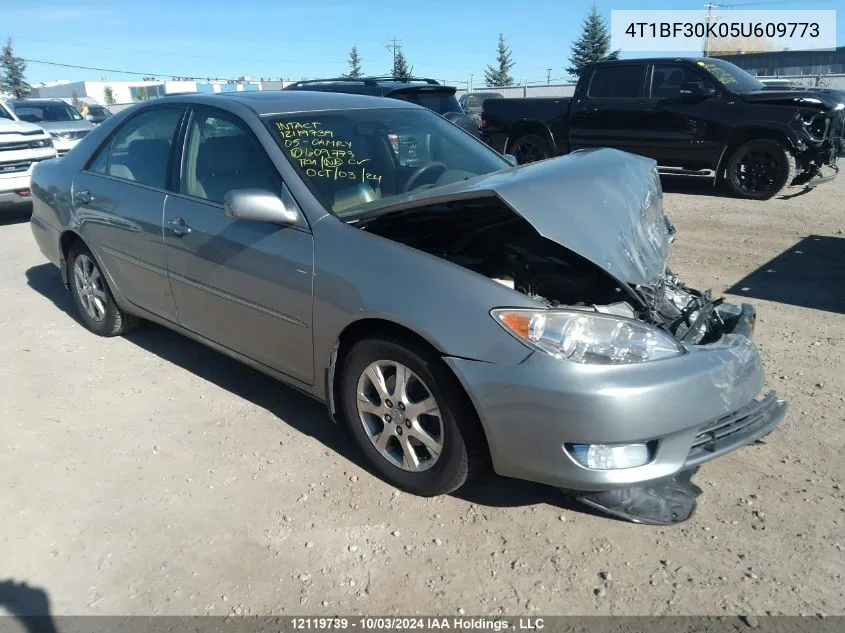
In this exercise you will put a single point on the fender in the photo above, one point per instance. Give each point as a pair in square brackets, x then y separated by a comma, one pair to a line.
[763, 129]
[530, 126]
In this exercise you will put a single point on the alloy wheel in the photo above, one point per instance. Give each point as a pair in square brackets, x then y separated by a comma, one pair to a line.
[757, 171]
[400, 415]
[90, 287]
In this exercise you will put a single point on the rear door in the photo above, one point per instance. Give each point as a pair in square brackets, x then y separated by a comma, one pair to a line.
[607, 111]
[119, 198]
[245, 285]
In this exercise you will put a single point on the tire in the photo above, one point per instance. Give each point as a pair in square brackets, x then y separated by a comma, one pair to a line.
[530, 148]
[461, 443]
[93, 298]
[759, 169]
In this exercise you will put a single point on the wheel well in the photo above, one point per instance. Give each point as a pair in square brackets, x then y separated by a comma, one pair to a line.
[750, 134]
[66, 241]
[381, 328]
[530, 127]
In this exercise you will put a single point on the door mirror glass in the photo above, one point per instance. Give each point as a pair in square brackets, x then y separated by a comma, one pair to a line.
[511, 159]
[259, 205]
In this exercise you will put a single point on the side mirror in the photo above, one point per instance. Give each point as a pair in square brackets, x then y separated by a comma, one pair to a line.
[694, 91]
[259, 205]
[89, 117]
[511, 159]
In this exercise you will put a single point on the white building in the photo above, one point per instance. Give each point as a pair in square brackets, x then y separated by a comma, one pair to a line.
[133, 91]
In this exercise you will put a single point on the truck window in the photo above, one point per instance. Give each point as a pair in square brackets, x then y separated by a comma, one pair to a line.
[618, 82]
[667, 79]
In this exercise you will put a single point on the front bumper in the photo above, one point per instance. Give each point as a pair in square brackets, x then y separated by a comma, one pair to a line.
[694, 407]
[14, 191]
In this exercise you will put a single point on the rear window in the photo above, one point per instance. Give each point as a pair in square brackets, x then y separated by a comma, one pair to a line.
[440, 102]
[618, 82]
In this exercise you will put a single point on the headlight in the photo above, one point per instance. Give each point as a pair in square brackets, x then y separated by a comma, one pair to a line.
[55, 134]
[588, 337]
[43, 142]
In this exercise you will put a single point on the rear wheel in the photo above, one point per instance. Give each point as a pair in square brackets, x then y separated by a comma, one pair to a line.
[94, 300]
[760, 169]
[530, 148]
[410, 417]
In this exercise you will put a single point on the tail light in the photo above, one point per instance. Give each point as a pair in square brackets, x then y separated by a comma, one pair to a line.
[394, 142]
[483, 123]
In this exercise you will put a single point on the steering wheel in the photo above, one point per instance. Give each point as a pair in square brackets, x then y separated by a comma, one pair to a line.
[419, 171]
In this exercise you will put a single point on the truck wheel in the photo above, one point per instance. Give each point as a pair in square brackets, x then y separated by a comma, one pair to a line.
[530, 148]
[760, 169]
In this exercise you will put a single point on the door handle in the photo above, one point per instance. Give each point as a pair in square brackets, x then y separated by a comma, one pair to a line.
[178, 227]
[83, 196]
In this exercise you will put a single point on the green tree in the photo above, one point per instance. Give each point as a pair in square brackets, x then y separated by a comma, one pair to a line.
[12, 70]
[74, 100]
[499, 76]
[593, 45]
[354, 64]
[108, 96]
[400, 64]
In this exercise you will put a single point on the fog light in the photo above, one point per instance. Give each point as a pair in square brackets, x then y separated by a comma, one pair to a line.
[607, 457]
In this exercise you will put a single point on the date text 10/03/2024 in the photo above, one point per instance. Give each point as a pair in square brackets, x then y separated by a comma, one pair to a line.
[459, 623]
[321, 155]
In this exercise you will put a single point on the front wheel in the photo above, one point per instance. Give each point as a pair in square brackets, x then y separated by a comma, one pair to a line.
[760, 169]
[409, 417]
[530, 148]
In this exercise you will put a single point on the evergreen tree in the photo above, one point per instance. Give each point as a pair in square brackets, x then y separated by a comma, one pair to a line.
[400, 64]
[593, 45]
[12, 70]
[74, 100]
[499, 77]
[108, 95]
[354, 64]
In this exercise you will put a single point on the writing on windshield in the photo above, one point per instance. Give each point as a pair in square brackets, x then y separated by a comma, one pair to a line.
[322, 154]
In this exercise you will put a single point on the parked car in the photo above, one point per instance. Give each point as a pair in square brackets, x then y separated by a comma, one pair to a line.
[472, 103]
[455, 314]
[58, 118]
[690, 115]
[775, 83]
[95, 113]
[22, 145]
[428, 93]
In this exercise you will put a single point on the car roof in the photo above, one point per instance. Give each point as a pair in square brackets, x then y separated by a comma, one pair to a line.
[383, 86]
[38, 100]
[289, 101]
[650, 60]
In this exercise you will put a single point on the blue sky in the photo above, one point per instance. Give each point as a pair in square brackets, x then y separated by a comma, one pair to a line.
[445, 39]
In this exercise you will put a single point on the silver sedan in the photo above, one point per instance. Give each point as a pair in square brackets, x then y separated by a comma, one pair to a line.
[455, 311]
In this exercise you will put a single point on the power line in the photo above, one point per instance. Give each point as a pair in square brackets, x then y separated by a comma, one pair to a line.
[114, 70]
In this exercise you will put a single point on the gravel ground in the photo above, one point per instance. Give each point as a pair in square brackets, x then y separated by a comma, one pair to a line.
[150, 475]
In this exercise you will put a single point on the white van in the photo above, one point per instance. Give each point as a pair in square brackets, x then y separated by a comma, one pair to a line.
[22, 145]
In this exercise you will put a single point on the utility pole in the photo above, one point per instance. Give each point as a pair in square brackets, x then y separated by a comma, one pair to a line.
[548, 76]
[394, 45]
[709, 6]
[470, 83]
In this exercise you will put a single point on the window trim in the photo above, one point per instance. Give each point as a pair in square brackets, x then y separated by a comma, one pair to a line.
[108, 142]
[643, 85]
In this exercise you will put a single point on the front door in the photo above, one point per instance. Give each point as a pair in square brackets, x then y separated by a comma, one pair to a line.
[119, 198]
[245, 285]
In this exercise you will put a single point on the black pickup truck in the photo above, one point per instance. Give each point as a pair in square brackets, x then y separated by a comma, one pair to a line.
[692, 115]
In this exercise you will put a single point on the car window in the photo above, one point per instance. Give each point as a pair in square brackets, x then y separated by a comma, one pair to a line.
[435, 100]
[618, 81]
[5, 114]
[221, 156]
[49, 112]
[667, 79]
[359, 160]
[140, 149]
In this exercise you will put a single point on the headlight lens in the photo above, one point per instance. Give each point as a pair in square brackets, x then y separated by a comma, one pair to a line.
[43, 142]
[588, 337]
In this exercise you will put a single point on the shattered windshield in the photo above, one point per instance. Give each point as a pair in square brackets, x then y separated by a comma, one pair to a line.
[360, 160]
[731, 76]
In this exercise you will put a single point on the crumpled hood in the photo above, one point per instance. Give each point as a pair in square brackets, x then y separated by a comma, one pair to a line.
[817, 97]
[603, 204]
[18, 127]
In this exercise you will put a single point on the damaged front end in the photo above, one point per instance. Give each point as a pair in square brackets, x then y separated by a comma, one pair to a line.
[819, 125]
[587, 234]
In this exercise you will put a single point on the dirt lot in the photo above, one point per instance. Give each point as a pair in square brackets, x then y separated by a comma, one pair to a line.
[148, 474]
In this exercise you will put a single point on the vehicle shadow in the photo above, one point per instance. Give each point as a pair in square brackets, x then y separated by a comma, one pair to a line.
[299, 411]
[15, 216]
[810, 274]
[29, 605]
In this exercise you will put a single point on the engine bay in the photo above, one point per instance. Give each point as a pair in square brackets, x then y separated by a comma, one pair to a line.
[485, 236]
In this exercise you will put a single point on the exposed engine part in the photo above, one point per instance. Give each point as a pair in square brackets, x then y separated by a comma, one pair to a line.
[689, 315]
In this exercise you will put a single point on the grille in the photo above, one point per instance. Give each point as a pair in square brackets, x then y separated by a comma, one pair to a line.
[14, 168]
[711, 434]
[72, 136]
